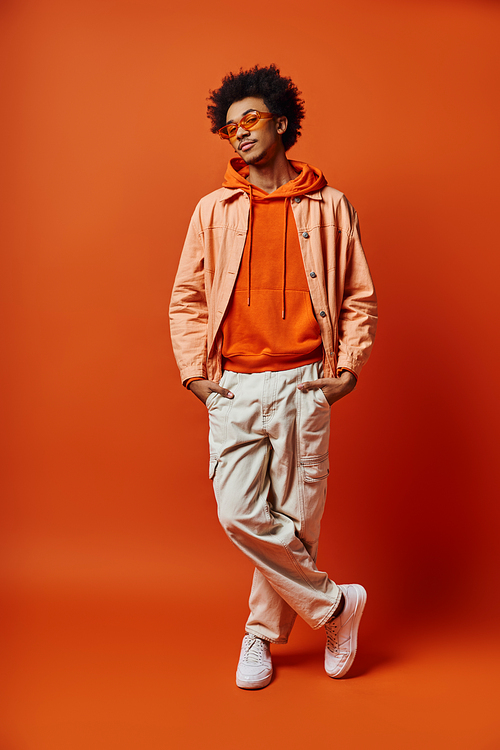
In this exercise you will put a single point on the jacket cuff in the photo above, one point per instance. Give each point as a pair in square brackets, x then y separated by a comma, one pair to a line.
[347, 363]
[192, 371]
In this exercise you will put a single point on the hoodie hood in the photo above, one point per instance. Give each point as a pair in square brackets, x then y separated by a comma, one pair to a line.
[309, 180]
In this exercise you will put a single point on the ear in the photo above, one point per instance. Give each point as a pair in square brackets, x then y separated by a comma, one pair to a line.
[281, 124]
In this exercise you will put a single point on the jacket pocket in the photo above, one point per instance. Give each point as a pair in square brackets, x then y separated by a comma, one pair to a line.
[315, 468]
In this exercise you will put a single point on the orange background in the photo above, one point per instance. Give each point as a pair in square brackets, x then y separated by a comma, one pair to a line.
[124, 603]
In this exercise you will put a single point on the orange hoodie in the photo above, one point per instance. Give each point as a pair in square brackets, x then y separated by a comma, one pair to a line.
[270, 324]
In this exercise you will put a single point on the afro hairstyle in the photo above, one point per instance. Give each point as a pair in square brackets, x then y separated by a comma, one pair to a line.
[279, 93]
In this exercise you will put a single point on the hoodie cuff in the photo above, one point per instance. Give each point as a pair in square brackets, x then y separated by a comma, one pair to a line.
[188, 382]
[340, 370]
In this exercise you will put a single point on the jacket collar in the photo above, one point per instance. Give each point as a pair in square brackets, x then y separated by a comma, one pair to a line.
[228, 193]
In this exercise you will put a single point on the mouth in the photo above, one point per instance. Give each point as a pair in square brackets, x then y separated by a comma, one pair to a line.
[246, 145]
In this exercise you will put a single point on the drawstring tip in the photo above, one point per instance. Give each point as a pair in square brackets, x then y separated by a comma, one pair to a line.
[248, 300]
[283, 314]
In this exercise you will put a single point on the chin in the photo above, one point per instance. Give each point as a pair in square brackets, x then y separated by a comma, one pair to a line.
[254, 158]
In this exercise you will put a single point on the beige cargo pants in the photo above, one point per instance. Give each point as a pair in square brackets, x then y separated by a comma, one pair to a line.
[269, 465]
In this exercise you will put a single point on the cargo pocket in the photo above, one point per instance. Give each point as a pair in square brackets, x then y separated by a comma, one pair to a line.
[212, 465]
[315, 468]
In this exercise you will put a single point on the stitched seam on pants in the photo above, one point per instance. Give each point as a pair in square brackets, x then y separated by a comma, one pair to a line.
[298, 426]
[263, 474]
[273, 393]
[224, 426]
[269, 390]
[297, 567]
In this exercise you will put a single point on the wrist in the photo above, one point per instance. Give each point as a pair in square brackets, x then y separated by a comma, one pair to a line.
[189, 382]
[348, 379]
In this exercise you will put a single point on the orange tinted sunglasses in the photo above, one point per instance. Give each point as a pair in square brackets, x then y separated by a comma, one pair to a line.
[247, 122]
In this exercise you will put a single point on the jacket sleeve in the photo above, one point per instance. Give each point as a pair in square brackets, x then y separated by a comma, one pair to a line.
[188, 306]
[358, 311]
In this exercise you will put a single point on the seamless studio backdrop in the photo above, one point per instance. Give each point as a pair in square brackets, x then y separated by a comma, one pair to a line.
[121, 592]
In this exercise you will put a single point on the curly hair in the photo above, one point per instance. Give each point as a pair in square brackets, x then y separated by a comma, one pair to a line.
[280, 94]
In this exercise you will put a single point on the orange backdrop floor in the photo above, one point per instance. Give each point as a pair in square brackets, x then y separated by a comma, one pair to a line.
[104, 673]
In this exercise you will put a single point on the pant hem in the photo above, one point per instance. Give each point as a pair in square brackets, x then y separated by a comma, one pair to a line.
[329, 613]
[266, 638]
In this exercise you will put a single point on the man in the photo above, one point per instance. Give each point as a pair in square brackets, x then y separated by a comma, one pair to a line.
[273, 315]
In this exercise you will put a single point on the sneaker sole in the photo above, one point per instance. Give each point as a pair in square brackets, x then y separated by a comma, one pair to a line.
[255, 684]
[361, 592]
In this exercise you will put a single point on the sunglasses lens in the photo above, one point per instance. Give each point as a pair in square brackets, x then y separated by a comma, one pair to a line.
[228, 131]
[250, 120]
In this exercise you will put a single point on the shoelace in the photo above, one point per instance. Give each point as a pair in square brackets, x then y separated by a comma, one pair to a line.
[332, 636]
[253, 650]
[332, 628]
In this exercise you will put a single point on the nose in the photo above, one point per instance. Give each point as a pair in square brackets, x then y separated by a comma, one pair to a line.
[241, 132]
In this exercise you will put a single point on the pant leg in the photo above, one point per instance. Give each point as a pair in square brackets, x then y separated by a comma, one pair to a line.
[269, 459]
[270, 616]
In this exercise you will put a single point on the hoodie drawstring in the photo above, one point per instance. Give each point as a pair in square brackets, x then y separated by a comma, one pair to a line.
[284, 261]
[250, 227]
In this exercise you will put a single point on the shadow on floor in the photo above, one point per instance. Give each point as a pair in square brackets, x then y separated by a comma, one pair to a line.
[365, 662]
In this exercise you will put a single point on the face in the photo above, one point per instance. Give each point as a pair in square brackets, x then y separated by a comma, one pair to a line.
[258, 145]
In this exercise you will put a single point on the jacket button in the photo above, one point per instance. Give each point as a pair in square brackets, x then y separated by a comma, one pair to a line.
[297, 199]
[312, 275]
[305, 235]
[323, 314]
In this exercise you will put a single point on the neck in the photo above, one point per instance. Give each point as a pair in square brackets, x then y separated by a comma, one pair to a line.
[272, 174]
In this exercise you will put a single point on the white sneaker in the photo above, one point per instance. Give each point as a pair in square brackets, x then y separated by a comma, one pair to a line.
[342, 632]
[255, 668]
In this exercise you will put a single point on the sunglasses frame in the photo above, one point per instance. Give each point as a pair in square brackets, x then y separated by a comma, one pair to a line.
[262, 116]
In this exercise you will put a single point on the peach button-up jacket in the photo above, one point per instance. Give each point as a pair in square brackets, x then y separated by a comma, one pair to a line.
[342, 292]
